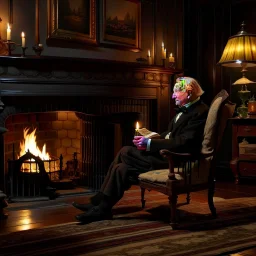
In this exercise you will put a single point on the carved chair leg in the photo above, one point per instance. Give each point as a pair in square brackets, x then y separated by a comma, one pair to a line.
[234, 167]
[188, 197]
[211, 191]
[142, 194]
[173, 204]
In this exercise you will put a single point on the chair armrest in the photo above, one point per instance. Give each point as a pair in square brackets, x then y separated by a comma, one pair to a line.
[171, 156]
[184, 156]
[166, 153]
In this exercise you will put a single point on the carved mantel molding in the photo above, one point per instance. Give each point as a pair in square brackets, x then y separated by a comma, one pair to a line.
[78, 76]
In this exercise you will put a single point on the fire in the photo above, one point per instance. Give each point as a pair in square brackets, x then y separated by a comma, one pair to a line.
[30, 144]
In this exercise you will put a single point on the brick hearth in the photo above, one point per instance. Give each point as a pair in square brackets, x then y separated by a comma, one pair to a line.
[60, 131]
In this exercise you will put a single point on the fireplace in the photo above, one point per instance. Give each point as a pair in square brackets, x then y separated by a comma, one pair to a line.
[81, 108]
[92, 138]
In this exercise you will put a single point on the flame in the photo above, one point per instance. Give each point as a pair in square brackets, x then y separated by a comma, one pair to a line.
[30, 144]
[137, 126]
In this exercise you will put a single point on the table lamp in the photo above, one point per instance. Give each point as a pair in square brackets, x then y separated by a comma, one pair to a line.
[244, 95]
[240, 51]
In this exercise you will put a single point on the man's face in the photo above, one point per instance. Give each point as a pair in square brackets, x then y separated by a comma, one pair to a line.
[180, 93]
[181, 97]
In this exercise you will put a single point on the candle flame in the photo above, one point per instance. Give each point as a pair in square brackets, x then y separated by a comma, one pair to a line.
[8, 26]
[170, 54]
[163, 44]
[148, 53]
[137, 126]
[22, 34]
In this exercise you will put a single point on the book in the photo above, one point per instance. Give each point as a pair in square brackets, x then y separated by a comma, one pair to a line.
[148, 134]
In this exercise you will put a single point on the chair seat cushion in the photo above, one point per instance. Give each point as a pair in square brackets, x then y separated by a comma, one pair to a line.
[199, 173]
[158, 176]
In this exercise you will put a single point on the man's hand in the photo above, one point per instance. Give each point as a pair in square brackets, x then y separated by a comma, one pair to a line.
[140, 142]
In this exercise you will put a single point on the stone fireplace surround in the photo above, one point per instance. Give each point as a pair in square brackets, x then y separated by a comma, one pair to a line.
[56, 94]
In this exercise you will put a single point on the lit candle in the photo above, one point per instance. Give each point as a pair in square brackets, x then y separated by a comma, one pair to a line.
[164, 57]
[8, 32]
[163, 51]
[23, 40]
[40, 45]
[149, 58]
[171, 58]
[137, 129]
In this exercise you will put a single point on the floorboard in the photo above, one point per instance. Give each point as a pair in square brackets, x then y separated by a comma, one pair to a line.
[29, 215]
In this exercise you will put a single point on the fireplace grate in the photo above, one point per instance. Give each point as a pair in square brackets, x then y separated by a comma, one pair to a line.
[30, 176]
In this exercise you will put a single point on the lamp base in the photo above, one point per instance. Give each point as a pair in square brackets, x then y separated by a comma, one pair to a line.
[242, 111]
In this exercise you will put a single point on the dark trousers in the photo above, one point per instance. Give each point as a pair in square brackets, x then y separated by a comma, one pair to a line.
[129, 162]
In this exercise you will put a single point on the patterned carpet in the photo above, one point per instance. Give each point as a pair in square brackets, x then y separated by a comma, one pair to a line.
[135, 232]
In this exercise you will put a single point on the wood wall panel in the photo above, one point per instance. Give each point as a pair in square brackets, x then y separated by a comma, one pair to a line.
[207, 26]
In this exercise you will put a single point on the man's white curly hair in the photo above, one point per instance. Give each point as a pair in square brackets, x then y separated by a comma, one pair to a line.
[186, 83]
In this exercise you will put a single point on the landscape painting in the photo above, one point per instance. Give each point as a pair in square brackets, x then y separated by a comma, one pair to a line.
[72, 20]
[121, 23]
[74, 15]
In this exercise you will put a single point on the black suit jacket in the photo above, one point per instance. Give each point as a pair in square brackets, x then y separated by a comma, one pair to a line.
[186, 133]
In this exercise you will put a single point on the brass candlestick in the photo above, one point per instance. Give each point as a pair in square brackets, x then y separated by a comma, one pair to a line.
[23, 51]
[163, 62]
[172, 65]
[9, 46]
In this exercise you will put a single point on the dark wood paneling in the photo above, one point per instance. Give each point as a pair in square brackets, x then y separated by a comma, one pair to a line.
[207, 27]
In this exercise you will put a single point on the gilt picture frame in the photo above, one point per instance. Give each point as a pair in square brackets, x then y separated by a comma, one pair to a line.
[72, 23]
[121, 24]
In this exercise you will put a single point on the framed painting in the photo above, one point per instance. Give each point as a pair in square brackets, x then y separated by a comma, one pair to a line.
[121, 25]
[71, 23]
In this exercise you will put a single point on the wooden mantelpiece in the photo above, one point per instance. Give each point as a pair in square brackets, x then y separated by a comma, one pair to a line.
[65, 71]
[63, 76]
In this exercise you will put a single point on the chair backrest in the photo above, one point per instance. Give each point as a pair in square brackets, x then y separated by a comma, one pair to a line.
[211, 126]
[226, 112]
[220, 110]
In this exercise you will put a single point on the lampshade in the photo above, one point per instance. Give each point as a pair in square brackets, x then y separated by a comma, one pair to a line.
[240, 48]
[243, 80]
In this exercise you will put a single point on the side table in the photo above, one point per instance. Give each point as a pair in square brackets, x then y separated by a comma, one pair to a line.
[243, 165]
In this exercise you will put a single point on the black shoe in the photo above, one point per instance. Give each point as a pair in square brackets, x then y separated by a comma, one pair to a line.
[83, 207]
[94, 214]
[96, 199]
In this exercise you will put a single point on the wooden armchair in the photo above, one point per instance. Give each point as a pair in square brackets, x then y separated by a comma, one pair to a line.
[193, 173]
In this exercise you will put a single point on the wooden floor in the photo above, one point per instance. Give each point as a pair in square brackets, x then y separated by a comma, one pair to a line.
[29, 215]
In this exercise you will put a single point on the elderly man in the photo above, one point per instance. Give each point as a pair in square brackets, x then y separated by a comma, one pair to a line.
[184, 134]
